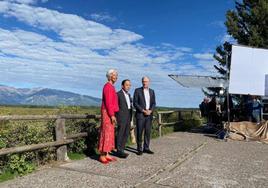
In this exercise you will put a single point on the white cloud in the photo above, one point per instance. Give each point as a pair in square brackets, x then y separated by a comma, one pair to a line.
[71, 28]
[227, 38]
[203, 56]
[78, 57]
[26, 1]
[102, 16]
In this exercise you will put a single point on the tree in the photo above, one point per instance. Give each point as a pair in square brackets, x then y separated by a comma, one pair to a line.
[248, 25]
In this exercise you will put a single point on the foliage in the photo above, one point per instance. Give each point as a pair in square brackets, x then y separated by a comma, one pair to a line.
[20, 133]
[18, 164]
[247, 24]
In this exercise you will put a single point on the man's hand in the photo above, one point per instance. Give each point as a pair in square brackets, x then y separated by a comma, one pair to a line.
[145, 112]
[113, 119]
[149, 112]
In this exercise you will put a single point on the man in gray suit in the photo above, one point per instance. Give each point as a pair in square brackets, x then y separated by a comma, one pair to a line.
[123, 116]
[144, 102]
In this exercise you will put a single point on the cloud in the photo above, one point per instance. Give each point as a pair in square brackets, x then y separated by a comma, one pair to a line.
[227, 38]
[203, 56]
[26, 1]
[100, 17]
[77, 54]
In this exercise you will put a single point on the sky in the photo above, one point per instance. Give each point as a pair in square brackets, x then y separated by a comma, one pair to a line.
[70, 45]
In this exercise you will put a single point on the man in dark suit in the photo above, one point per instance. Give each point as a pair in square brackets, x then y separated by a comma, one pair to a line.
[144, 102]
[123, 116]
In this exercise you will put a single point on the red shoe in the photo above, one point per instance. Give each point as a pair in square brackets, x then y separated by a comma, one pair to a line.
[111, 159]
[103, 161]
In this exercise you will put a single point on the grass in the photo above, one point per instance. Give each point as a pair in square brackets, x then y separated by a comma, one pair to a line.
[7, 175]
[39, 110]
[76, 156]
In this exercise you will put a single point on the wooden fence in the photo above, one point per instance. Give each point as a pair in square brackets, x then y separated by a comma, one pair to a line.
[179, 119]
[61, 138]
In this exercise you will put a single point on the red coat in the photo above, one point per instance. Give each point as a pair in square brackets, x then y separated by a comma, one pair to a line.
[109, 99]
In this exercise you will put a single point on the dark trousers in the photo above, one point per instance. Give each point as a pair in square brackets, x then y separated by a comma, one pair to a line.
[123, 128]
[143, 124]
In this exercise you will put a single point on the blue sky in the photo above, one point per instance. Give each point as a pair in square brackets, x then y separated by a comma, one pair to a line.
[70, 45]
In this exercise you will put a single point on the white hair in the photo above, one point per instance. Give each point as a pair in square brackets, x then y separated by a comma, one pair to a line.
[110, 72]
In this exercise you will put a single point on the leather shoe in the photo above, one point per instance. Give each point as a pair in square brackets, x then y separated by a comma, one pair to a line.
[139, 152]
[122, 154]
[148, 151]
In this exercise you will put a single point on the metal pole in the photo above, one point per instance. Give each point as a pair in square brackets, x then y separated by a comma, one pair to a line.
[228, 105]
[227, 90]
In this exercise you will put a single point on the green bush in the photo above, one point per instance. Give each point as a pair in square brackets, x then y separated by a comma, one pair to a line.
[18, 164]
[20, 133]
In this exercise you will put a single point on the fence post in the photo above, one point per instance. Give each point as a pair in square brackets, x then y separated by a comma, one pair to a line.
[179, 114]
[61, 135]
[160, 124]
[132, 132]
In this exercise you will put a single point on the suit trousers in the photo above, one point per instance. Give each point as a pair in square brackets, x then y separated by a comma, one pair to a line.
[123, 128]
[143, 125]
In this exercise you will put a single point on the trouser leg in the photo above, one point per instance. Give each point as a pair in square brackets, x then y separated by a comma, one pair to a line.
[147, 133]
[139, 130]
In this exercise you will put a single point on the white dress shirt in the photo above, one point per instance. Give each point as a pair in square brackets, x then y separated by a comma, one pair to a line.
[147, 98]
[127, 99]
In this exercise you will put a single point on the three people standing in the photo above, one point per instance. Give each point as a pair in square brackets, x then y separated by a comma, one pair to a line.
[117, 109]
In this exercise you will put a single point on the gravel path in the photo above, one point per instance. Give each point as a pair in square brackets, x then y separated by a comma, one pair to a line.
[180, 160]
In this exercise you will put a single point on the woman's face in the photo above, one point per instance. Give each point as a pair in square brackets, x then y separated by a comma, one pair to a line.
[114, 77]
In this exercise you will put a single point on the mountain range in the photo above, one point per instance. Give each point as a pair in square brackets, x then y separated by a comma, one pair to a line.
[44, 97]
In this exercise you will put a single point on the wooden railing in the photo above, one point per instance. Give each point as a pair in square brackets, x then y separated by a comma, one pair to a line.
[62, 140]
[179, 117]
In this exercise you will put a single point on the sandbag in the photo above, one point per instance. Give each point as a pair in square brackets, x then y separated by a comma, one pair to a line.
[246, 130]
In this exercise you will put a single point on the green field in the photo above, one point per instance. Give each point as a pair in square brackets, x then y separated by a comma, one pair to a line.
[41, 110]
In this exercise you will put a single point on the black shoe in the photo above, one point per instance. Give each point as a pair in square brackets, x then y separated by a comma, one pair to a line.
[139, 152]
[148, 151]
[122, 154]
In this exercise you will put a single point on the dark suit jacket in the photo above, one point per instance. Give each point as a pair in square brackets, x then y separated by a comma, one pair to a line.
[140, 104]
[123, 114]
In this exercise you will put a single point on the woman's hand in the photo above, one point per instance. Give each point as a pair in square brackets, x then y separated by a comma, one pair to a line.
[113, 119]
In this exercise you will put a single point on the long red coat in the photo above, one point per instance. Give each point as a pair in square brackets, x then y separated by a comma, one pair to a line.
[108, 109]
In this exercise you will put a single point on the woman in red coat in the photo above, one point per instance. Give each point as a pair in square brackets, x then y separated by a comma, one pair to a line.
[108, 109]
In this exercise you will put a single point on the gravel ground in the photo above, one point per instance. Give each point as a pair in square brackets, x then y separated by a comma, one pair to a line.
[180, 160]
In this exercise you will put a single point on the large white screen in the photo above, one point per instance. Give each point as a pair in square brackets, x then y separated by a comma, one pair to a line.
[248, 69]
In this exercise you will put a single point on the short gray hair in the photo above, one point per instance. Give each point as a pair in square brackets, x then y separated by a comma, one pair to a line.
[144, 78]
[109, 72]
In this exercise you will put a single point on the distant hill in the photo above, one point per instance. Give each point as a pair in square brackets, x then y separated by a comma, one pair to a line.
[44, 97]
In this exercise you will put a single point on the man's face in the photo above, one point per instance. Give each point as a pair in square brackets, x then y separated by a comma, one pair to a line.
[126, 86]
[145, 82]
